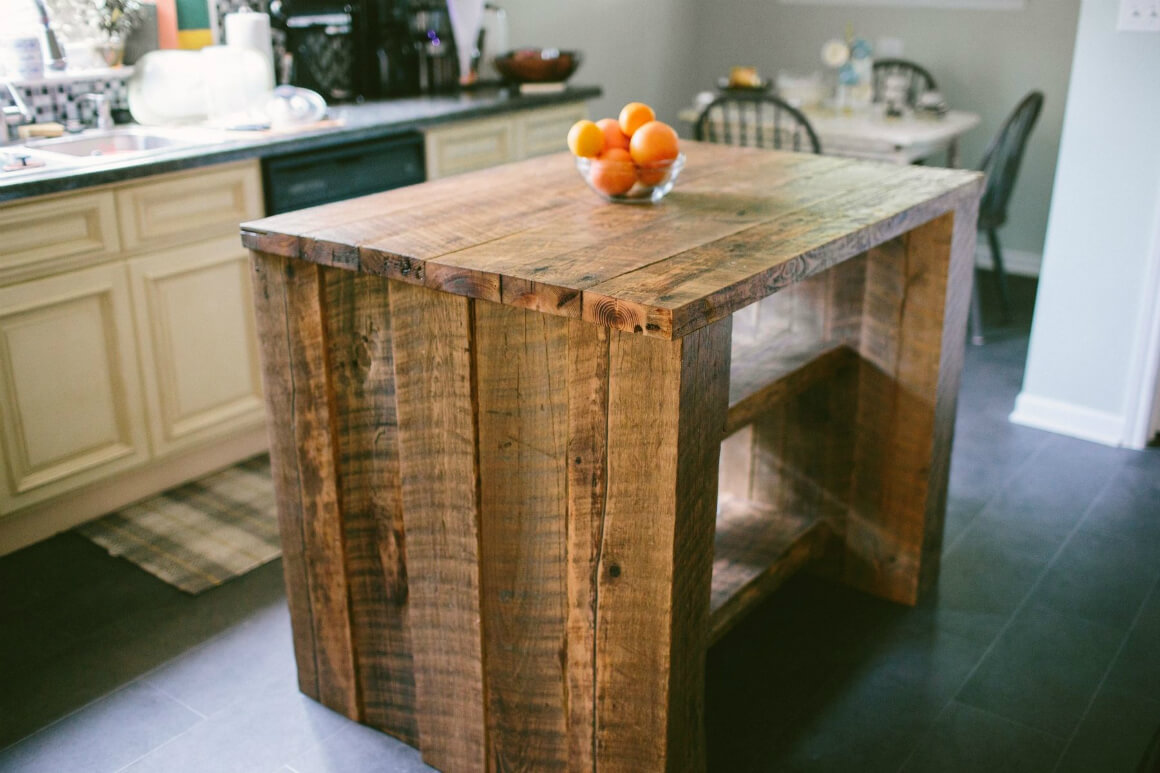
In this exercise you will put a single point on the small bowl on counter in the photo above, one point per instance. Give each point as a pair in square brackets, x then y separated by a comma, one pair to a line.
[624, 182]
[538, 65]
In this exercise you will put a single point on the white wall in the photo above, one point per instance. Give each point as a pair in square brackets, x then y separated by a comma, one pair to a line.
[636, 50]
[1086, 372]
[984, 61]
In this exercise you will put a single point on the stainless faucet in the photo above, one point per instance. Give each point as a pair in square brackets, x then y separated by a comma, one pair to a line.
[15, 115]
[104, 110]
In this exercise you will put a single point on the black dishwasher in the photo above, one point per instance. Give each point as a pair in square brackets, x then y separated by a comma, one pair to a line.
[309, 178]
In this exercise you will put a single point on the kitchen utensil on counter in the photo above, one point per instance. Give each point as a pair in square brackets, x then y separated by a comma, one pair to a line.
[238, 83]
[291, 106]
[538, 65]
[466, 22]
[249, 29]
[168, 88]
[493, 41]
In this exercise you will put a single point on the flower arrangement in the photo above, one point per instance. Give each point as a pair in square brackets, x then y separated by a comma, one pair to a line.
[855, 67]
[106, 22]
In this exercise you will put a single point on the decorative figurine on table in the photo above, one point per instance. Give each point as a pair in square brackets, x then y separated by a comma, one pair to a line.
[855, 67]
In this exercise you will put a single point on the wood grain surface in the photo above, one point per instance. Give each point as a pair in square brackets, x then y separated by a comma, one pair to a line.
[289, 303]
[361, 364]
[740, 224]
[432, 338]
[503, 411]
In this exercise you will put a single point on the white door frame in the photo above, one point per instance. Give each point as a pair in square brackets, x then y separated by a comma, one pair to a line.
[1143, 399]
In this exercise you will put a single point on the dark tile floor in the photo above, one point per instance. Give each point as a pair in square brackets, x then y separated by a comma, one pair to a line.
[1040, 650]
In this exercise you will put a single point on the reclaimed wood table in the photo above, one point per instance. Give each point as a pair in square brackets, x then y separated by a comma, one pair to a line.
[498, 410]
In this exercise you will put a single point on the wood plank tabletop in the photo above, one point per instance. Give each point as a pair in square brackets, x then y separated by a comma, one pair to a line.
[739, 225]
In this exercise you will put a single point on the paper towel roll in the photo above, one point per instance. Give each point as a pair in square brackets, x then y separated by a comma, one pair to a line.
[248, 29]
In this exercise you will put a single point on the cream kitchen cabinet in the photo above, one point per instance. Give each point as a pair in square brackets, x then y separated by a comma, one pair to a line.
[128, 354]
[70, 406]
[470, 145]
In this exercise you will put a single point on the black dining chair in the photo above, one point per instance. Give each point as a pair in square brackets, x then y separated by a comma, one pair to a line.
[756, 120]
[919, 82]
[1001, 162]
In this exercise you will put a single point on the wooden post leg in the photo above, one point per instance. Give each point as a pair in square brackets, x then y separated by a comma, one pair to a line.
[290, 324]
[915, 312]
[333, 451]
[666, 411]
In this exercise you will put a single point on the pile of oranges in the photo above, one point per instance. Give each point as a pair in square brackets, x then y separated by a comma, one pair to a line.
[635, 147]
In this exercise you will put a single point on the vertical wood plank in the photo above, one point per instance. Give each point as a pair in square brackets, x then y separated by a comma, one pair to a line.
[588, 367]
[432, 340]
[522, 404]
[290, 313]
[363, 372]
[667, 403]
[896, 484]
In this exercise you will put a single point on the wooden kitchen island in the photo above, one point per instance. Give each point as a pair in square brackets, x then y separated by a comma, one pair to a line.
[534, 452]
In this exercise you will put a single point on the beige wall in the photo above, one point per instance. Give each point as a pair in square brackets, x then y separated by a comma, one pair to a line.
[984, 61]
[636, 50]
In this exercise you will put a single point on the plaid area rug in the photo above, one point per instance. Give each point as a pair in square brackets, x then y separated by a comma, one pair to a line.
[200, 534]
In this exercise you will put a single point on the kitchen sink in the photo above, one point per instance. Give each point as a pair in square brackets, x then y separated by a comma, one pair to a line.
[118, 142]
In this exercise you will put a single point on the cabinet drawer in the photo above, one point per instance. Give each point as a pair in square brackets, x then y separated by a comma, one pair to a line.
[203, 203]
[470, 146]
[546, 131]
[70, 401]
[51, 235]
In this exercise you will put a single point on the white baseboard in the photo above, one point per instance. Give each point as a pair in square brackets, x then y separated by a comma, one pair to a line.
[1018, 262]
[1068, 419]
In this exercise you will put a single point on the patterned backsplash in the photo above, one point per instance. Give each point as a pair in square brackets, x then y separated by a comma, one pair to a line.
[59, 98]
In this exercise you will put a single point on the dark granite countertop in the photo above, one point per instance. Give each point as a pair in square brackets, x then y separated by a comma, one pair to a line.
[371, 120]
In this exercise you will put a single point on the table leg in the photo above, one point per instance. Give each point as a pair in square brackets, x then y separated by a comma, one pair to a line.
[328, 375]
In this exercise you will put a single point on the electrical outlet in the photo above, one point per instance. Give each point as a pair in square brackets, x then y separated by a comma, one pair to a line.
[1139, 16]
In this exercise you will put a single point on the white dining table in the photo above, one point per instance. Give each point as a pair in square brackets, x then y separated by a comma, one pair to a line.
[871, 135]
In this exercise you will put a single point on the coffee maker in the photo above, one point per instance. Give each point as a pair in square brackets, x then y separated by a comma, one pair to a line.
[349, 50]
[436, 62]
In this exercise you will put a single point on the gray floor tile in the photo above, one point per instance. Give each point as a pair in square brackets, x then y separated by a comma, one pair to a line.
[1136, 670]
[971, 740]
[260, 731]
[1130, 507]
[104, 736]
[240, 660]
[1101, 578]
[1113, 736]
[1043, 670]
[1054, 490]
[126, 648]
[985, 575]
[358, 749]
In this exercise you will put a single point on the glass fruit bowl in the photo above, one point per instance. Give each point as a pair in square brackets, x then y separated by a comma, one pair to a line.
[624, 182]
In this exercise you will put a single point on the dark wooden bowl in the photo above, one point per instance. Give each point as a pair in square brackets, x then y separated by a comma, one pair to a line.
[537, 65]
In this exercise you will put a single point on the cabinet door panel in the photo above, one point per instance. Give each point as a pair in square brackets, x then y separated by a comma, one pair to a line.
[42, 237]
[69, 394]
[469, 146]
[546, 130]
[179, 208]
[198, 342]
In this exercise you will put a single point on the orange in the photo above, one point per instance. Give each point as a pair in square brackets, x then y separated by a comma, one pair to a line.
[613, 136]
[613, 172]
[585, 139]
[635, 115]
[653, 174]
[652, 143]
